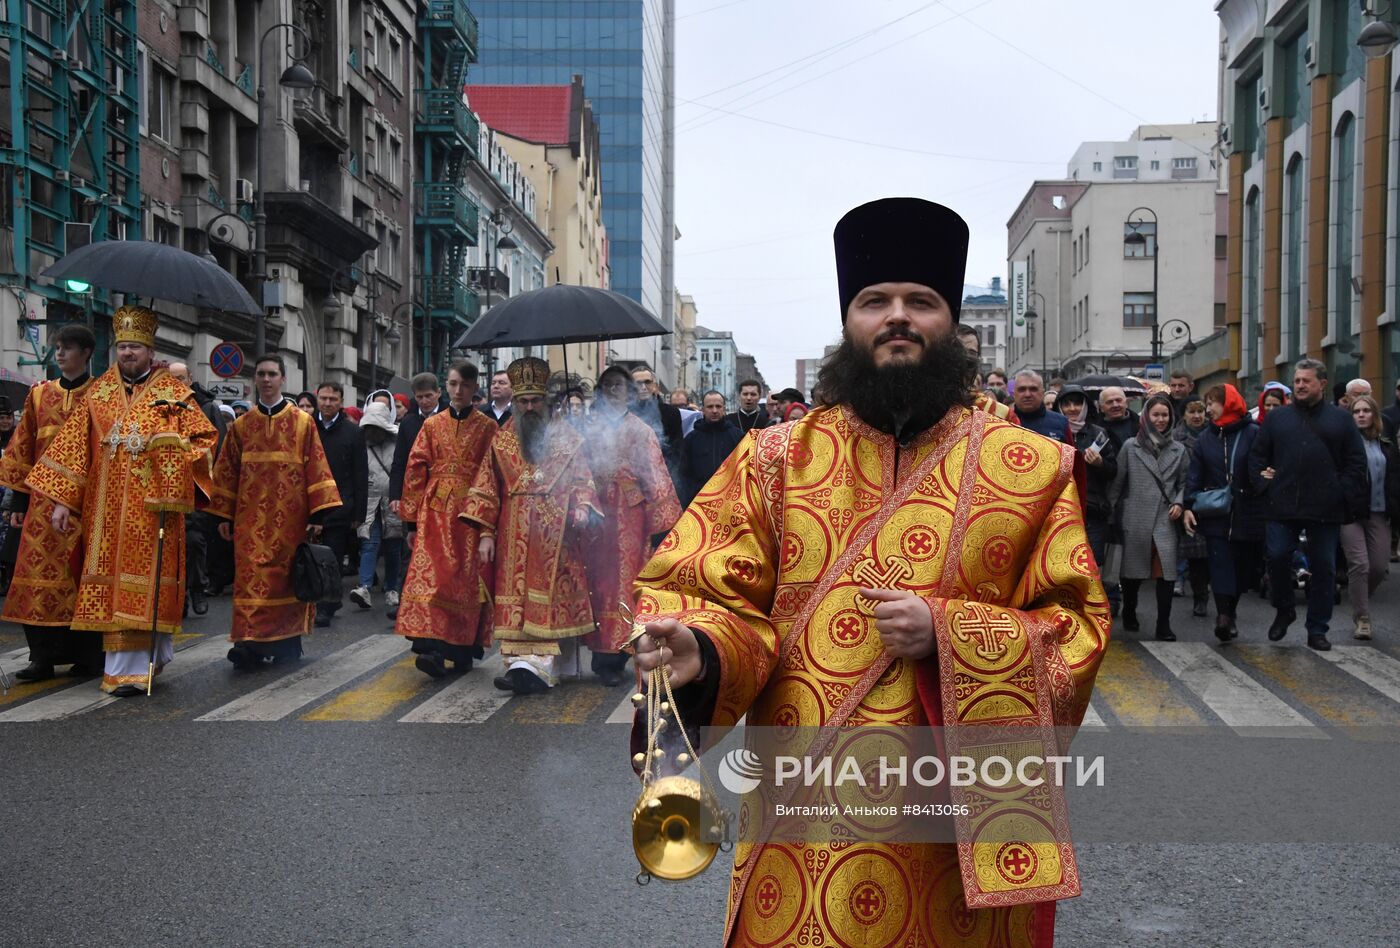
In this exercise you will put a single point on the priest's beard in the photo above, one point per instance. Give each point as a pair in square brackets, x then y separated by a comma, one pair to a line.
[531, 428]
[903, 399]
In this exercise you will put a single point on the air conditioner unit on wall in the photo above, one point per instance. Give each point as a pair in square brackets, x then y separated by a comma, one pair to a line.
[243, 191]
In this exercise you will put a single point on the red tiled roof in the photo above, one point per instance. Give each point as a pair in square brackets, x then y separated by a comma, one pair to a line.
[537, 114]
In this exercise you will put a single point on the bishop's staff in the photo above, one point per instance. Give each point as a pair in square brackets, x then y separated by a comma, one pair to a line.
[172, 489]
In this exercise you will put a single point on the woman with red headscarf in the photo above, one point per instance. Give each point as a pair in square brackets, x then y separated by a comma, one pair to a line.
[1234, 536]
[1275, 395]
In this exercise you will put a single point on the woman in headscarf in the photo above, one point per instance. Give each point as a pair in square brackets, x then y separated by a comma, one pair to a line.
[1147, 499]
[1193, 423]
[1220, 459]
[1275, 395]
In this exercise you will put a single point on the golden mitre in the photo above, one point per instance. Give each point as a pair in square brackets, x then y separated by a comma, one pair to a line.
[528, 376]
[135, 324]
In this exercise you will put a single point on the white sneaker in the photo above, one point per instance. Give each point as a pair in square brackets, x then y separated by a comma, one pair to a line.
[360, 597]
[391, 599]
[1363, 628]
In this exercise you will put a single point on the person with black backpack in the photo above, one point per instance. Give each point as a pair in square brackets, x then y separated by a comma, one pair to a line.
[1309, 465]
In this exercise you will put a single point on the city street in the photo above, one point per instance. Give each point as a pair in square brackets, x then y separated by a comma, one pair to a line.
[349, 799]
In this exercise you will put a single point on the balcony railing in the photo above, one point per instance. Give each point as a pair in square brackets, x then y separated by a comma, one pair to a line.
[446, 296]
[453, 13]
[443, 204]
[490, 279]
[442, 111]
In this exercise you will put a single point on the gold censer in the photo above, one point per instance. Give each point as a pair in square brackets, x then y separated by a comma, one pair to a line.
[677, 823]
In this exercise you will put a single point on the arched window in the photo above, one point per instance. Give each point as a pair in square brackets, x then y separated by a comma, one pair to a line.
[1344, 248]
[1292, 344]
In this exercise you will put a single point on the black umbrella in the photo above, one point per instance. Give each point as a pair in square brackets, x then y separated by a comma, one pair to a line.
[1097, 383]
[155, 271]
[561, 314]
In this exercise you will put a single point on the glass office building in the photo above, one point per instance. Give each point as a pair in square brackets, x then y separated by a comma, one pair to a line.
[625, 51]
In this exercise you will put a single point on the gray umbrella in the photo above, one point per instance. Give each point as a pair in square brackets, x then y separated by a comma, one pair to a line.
[561, 314]
[155, 271]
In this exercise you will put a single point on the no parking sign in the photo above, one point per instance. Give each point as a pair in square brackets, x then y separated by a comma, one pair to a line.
[226, 360]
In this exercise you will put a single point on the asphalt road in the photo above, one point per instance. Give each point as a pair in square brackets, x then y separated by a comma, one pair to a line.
[333, 821]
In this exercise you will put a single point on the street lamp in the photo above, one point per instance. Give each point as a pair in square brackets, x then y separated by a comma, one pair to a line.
[1377, 37]
[504, 242]
[1179, 328]
[1139, 238]
[299, 79]
[1031, 316]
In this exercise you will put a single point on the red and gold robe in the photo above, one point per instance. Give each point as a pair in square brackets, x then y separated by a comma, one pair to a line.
[445, 594]
[638, 501]
[45, 585]
[982, 520]
[541, 583]
[271, 476]
[985, 401]
[104, 465]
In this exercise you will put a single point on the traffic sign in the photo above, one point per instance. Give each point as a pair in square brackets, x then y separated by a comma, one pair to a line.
[1154, 372]
[228, 391]
[226, 360]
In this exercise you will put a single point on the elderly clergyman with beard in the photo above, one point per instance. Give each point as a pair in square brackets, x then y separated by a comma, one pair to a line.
[894, 558]
[533, 500]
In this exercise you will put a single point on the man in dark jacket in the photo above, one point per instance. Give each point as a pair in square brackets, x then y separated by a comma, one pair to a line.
[1115, 417]
[498, 408]
[1390, 417]
[1099, 453]
[427, 397]
[1308, 462]
[664, 421]
[344, 444]
[749, 417]
[707, 446]
[1030, 408]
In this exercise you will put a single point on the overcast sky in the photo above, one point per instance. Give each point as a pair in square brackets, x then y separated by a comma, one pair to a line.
[964, 102]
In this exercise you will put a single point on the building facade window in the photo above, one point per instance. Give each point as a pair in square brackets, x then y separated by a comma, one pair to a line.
[1146, 229]
[1138, 309]
[160, 102]
[1292, 346]
[1098, 166]
[1344, 246]
[1249, 329]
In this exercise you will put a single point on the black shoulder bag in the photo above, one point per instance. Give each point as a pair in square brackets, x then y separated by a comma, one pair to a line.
[315, 573]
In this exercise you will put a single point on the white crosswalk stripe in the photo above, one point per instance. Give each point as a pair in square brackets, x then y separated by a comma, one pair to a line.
[319, 678]
[470, 699]
[12, 662]
[1237, 699]
[624, 712]
[1375, 668]
[1092, 718]
[85, 696]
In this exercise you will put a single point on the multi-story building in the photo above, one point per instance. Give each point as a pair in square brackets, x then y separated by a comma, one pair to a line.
[1086, 250]
[71, 153]
[809, 369]
[682, 341]
[551, 134]
[625, 53]
[718, 363]
[986, 313]
[1309, 137]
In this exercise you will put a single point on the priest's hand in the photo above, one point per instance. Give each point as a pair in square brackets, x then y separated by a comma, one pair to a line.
[581, 517]
[16, 519]
[226, 531]
[486, 549]
[394, 507]
[903, 621]
[313, 531]
[667, 642]
[61, 515]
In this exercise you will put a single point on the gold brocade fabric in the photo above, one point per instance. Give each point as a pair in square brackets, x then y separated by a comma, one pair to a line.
[982, 401]
[98, 465]
[444, 591]
[638, 501]
[271, 476]
[979, 518]
[541, 584]
[45, 585]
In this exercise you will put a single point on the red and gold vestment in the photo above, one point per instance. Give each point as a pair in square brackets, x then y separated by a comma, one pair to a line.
[115, 461]
[445, 595]
[638, 501]
[271, 476]
[541, 584]
[982, 520]
[44, 590]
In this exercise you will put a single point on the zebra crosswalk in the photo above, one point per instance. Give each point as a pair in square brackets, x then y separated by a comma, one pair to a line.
[1253, 689]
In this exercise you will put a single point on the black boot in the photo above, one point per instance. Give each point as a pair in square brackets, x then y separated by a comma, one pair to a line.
[1130, 601]
[1225, 617]
[198, 604]
[1282, 620]
[34, 672]
[431, 664]
[609, 667]
[1165, 591]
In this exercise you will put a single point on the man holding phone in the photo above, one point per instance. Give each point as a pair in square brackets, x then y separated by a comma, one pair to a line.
[1100, 455]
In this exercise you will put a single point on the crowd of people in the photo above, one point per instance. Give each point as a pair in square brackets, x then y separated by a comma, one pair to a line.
[1204, 496]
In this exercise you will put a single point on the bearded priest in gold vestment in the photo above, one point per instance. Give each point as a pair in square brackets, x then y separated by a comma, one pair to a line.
[894, 558]
[128, 462]
[271, 483]
[534, 502]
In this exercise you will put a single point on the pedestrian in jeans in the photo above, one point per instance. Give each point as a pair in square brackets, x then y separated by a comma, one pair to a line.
[1309, 464]
[1100, 455]
[1366, 540]
[1146, 496]
[382, 530]
[1193, 560]
[1220, 459]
